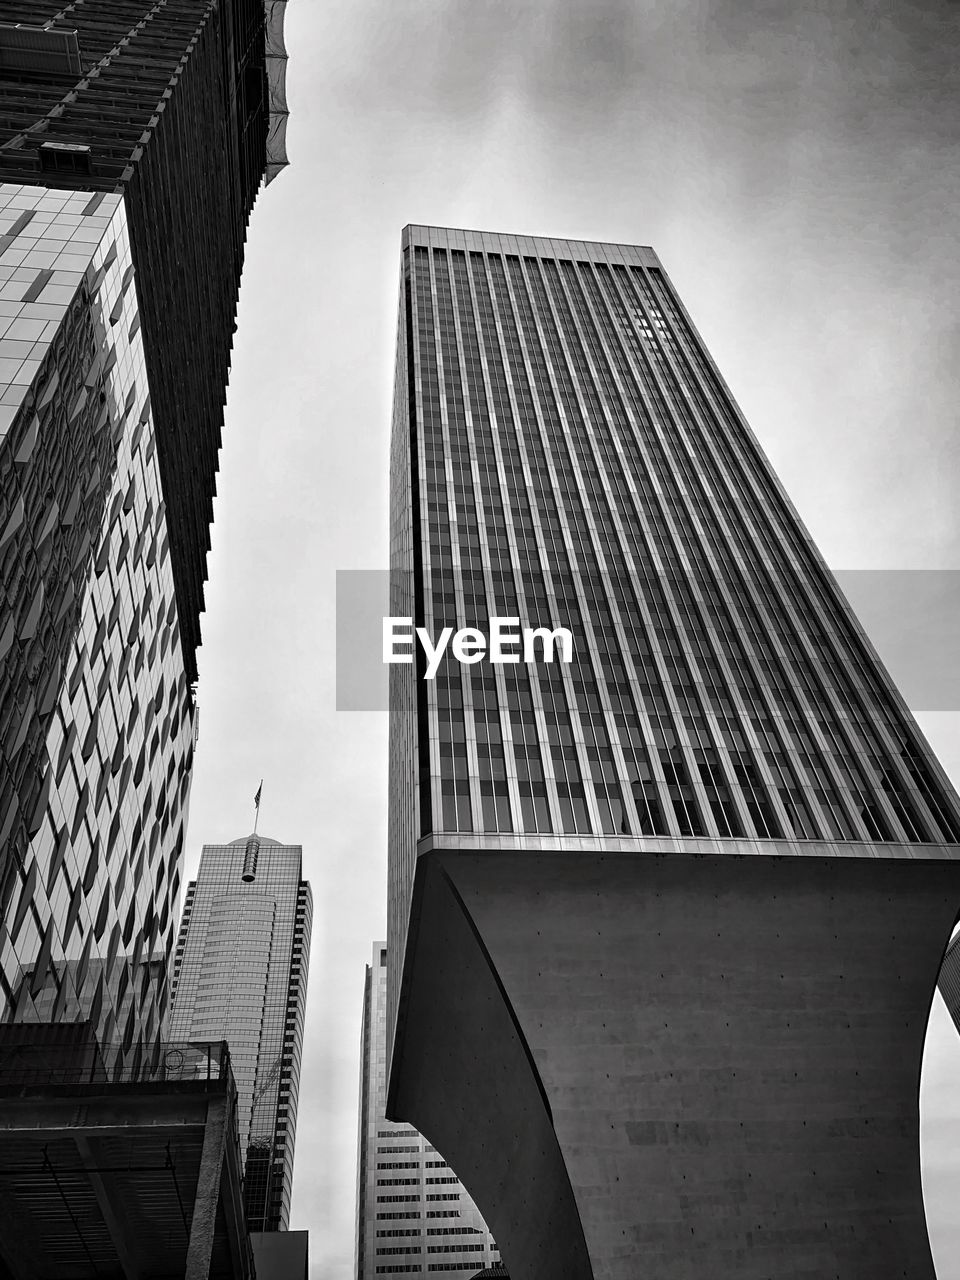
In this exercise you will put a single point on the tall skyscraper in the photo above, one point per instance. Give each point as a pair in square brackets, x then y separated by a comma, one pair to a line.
[414, 1215]
[664, 922]
[240, 975]
[133, 138]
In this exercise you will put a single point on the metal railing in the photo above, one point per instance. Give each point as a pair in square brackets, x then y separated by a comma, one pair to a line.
[26, 1063]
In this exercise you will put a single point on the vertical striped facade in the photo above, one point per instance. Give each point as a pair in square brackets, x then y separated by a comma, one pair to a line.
[566, 453]
[579, 460]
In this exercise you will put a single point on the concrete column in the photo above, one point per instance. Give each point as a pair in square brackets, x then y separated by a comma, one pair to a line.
[203, 1224]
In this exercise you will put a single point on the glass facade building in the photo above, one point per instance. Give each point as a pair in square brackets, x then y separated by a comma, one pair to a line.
[98, 716]
[133, 140]
[414, 1215]
[240, 975]
[179, 107]
[565, 453]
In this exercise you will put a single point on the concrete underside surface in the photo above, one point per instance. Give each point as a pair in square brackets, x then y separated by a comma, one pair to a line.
[678, 1066]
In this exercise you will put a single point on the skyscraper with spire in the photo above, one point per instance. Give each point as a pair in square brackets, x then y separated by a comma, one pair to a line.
[664, 922]
[133, 139]
[240, 975]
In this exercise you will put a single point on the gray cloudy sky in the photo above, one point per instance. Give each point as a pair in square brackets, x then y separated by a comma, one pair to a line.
[796, 168]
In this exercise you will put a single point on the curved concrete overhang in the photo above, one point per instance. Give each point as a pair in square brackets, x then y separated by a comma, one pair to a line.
[698, 1065]
[278, 113]
[469, 1083]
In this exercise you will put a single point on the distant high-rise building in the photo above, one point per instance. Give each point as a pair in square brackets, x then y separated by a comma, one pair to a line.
[664, 921]
[133, 139]
[414, 1215]
[240, 975]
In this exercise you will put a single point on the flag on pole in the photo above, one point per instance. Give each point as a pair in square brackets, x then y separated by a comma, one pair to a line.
[256, 798]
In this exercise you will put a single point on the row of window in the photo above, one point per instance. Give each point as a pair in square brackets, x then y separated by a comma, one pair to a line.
[590, 401]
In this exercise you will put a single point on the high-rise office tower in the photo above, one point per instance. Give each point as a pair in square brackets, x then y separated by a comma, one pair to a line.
[664, 921]
[240, 975]
[414, 1215]
[133, 138]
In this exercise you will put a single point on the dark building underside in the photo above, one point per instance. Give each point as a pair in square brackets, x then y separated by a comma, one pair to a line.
[116, 1165]
[681, 1065]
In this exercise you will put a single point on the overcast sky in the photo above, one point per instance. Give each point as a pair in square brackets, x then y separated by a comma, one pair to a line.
[796, 168]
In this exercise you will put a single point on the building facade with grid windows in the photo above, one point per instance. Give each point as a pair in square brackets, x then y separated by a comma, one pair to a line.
[414, 1215]
[241, 968]
[664, 922]
[134, 136]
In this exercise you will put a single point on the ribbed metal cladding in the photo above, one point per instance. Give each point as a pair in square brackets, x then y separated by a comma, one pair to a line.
[566, 452]
[950, 980]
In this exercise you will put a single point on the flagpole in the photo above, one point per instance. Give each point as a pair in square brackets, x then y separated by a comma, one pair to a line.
[256, 806]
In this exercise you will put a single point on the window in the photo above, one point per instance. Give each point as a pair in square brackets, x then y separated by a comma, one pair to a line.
[65, 157]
